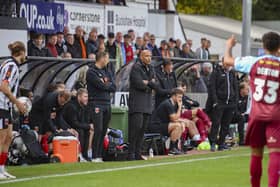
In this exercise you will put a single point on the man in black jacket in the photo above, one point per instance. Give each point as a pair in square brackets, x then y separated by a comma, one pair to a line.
[142, 81]
[36, 47]
[100, 84]
[75, 114]
[222, 99]
[51, 114]
[166, 80]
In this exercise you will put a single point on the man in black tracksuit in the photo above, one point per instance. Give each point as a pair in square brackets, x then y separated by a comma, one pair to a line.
[76, 114]
[100, 85]
[166, 80]
[142, 81]
[221, 103]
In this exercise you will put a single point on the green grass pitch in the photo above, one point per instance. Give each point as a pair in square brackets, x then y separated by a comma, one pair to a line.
[219, 169]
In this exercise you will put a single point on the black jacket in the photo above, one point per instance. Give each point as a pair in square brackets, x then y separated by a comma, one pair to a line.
[100, 84]
[35, 51]
[242, 104]
[188, 103]
[140, 94]
[223, 87]
[76, 115]
[72, 49]
[61, 49]
[112, 50]
[41, 114]
[78, 46]
[92, 47]
[165, 83]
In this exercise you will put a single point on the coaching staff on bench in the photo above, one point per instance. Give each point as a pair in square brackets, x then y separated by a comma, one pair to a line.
[100, 85]
[142, 81]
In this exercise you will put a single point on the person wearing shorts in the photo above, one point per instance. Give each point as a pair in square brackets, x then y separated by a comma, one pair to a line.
[167, 120]
[9, 75]
[264, 117]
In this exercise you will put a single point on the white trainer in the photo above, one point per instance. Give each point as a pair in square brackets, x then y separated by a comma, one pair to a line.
[3, 177]
[97, 160]
[8, 175]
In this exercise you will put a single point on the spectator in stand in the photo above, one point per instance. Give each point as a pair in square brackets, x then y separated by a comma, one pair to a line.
[66, 55]
[165, 53]
[186, 51]
[110, 45]
[128, 48]
[66, 31]
[178, 49]
[101, 39]
[119, 2]
[146, 42]
[52, 41]
[60, 44]
[155, 50]
[37, 48]
[194, 80]
[190, 43]
[208, 45]
[206, 71]
[201, 52]
[76, 114]
[121, 55]
[71, 48]
[171, 46]
[131, 33]
[81, 79]
[139, 45]
[92, 44]
[166, 80]
[101, 47]
[79, 42]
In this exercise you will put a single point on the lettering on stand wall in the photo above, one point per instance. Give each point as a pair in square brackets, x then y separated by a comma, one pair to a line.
[43, 17]
[121, 19]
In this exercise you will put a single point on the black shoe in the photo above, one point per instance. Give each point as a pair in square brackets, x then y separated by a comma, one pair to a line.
[213, 148]
[223, 147]
[174, 151]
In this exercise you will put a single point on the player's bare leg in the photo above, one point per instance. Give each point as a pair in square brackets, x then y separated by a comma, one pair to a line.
[256, 166]
[6, 138]
[194, 134]
[273, 167]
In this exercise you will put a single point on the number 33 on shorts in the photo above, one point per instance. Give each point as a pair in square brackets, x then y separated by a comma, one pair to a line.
[271, 96]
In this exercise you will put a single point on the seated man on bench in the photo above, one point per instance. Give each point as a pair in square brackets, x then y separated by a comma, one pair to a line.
[166, 120]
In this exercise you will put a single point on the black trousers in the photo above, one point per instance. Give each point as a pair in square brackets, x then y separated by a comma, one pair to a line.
[240, 120]
[101, 116]
[137, 124]
[84, 141]
[221, 117]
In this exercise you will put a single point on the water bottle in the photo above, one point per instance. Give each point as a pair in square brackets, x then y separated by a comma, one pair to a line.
[151, 152]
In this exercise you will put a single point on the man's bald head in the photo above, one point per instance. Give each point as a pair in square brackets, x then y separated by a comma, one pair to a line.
[146, 56]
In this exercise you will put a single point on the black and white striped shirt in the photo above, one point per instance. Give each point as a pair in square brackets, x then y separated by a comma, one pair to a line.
[9, 72]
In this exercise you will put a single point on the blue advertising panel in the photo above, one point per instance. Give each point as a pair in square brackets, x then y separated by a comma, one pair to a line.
[42, 17]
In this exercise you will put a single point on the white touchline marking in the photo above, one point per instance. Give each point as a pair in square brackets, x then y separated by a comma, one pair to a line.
[119, 169]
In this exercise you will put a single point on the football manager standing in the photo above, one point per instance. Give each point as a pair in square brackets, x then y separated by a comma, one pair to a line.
[142, 82]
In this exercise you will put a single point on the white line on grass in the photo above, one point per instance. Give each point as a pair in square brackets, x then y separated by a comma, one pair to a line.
[119, 169]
